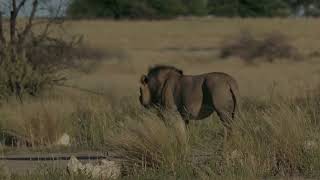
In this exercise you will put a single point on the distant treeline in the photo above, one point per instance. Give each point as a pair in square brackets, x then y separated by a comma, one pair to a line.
[159, 9]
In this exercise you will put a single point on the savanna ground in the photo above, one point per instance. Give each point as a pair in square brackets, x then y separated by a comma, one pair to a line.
[275, 135]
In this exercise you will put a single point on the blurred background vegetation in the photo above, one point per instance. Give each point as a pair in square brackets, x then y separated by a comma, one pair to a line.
[158, 9]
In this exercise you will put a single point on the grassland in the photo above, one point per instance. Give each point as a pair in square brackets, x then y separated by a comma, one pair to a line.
[276, 133]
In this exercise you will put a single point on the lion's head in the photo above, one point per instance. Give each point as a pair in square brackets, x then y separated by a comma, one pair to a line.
[145, 95]
[151, 85]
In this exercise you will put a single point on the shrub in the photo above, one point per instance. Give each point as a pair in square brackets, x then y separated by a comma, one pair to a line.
[40, 64]
[30, 58]
[149, 142]
[57, 54]
[18, 77]
[273, 46]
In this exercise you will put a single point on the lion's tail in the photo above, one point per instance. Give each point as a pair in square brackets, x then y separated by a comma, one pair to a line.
[234, 90]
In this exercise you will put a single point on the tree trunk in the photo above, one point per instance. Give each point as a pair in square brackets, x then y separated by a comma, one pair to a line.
[2, 39]
[13, 19]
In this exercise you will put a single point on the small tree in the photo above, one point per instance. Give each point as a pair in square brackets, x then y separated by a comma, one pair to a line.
[30, 58]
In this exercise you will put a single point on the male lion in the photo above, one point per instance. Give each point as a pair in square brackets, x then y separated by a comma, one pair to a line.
[194, 97]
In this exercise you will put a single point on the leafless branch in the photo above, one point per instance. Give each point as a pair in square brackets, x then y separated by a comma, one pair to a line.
[28, 26]
[35, 48]
[13, 17]
[54, 20]
[21, 4]
[2, 38]
[16, 9]
[14, 6]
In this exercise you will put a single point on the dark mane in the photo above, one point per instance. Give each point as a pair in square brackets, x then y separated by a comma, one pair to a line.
[156, 69]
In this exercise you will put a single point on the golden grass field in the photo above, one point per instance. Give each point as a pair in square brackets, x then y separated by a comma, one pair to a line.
[192, 45]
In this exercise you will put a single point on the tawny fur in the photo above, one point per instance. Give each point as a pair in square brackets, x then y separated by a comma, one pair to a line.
[194, 97]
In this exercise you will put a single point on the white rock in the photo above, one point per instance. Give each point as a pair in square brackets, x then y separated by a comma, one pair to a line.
[74, 165]
[64, 140]
[103, 170]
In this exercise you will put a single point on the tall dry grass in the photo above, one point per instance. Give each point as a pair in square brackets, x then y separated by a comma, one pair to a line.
[146, 141]
[276, 134]
[275, 142]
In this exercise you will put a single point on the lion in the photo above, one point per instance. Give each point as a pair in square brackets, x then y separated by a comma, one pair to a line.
[195, 97]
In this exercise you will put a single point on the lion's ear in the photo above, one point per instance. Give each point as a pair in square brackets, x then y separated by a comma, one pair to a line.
[144, 79]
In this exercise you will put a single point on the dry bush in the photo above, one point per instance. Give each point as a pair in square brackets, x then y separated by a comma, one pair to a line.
[273, 46]
[273, 142]
[20, 77]
[39, 123]
[43, 61]
[66, 52]
[32, 54]
[149, 142]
